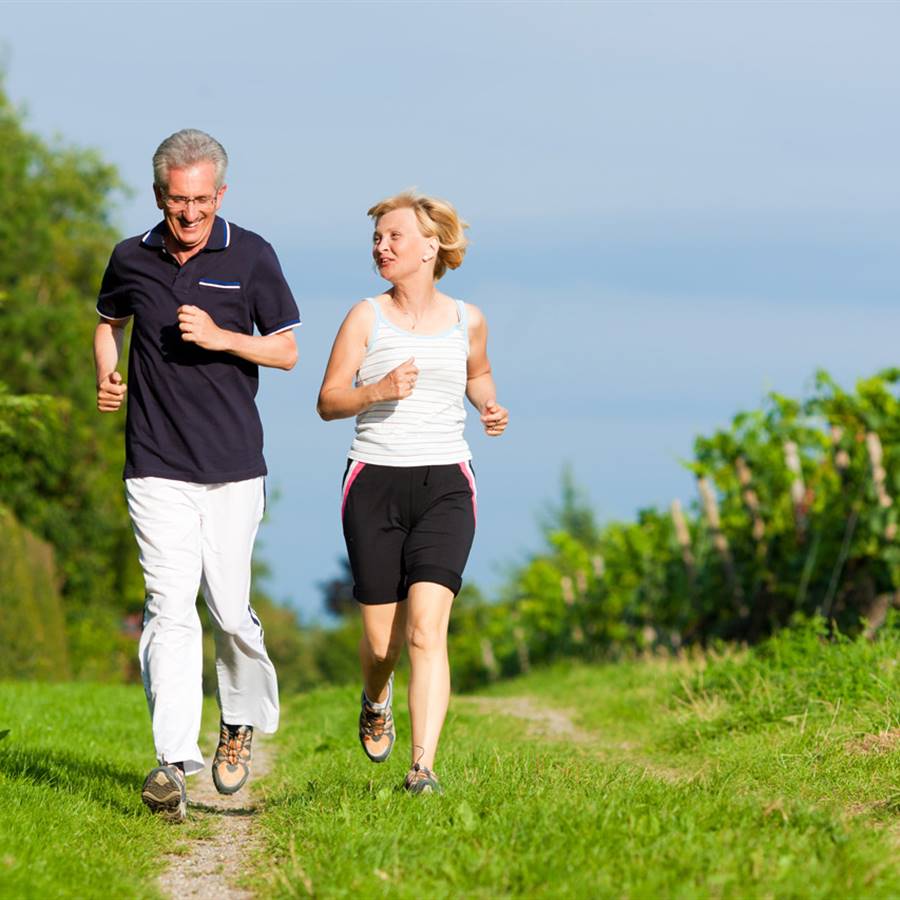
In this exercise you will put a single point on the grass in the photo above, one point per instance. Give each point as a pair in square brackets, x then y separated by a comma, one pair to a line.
[764, 773]
[70, 773]
[742, 775]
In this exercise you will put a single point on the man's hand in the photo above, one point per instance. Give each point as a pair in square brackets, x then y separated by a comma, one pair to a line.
[495, 418]
[197, 327]
[111, 393]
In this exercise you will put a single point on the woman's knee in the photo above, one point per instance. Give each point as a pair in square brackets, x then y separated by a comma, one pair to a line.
[426, 638]
[383, 648]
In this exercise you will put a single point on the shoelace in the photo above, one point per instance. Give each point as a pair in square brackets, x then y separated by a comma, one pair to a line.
[419, 773]
[375, 723]
[234, 744]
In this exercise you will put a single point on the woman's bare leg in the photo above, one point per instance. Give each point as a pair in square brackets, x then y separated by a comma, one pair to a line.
[427, 619]
[380, 646]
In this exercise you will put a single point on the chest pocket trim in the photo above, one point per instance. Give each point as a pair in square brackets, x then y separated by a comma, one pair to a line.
[222, 285]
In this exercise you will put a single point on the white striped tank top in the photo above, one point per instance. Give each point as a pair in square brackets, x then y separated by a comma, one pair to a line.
[425, 428]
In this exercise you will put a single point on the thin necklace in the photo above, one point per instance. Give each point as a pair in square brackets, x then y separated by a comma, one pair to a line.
[406, 313]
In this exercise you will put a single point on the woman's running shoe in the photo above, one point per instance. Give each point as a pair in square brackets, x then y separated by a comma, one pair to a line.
[421, 780]
[376, 726]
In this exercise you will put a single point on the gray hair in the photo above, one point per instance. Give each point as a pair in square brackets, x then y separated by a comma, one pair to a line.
[187, 148]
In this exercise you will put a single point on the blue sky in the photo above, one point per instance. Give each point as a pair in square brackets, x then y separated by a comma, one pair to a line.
[675, 208]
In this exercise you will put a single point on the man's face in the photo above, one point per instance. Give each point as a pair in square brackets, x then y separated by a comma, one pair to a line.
[189, 203]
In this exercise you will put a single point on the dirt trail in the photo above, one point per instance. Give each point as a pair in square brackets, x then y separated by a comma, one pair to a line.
[543, 721]
[210, 867]
[556, 724]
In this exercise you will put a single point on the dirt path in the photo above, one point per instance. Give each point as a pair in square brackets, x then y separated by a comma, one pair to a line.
[544, 721]
[211, 866]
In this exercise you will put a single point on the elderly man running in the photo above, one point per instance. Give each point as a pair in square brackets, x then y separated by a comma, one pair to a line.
[195, 286]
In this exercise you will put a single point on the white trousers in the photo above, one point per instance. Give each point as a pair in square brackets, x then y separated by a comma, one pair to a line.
[199, 537]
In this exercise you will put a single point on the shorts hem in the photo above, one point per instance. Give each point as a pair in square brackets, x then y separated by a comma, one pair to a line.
[382, 597]
[438, 575]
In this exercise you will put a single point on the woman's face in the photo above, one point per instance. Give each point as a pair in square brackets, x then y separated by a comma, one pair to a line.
[398, 247]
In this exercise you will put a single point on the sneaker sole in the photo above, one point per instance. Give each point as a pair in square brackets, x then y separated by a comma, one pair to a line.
[165, 800]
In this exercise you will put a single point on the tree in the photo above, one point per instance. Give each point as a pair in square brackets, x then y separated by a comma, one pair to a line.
[60, 462]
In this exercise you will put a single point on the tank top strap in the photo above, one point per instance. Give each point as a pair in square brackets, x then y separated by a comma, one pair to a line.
[374, 304]
[463, 320]
[379, 320]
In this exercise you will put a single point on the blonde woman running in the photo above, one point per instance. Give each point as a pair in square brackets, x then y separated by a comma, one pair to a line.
[402, 363]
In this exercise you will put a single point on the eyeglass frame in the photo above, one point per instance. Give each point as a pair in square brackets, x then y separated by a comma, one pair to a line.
[179, 203]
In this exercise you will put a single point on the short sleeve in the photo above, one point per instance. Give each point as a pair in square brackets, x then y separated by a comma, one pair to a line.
[272, 304]
[114, 301]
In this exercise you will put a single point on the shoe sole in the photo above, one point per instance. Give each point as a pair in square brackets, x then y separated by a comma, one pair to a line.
[164, 799]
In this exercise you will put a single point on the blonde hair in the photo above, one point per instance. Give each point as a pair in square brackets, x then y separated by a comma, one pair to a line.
[437, 219]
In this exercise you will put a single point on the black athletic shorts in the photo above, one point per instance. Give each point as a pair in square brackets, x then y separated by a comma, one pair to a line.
[407, 524]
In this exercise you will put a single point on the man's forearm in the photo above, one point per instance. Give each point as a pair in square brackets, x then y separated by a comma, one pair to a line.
[278, 351]
[108, 339]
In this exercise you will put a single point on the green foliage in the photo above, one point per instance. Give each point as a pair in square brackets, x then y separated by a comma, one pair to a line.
[805, 522]
[60, 461]
[32, 624]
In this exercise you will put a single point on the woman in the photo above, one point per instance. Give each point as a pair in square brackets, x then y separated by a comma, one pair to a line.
[402, 363]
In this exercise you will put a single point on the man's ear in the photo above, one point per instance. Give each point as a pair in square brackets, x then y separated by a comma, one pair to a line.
[219, 195]
[157, 192]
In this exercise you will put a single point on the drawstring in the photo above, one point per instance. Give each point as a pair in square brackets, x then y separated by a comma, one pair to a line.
[427, 473]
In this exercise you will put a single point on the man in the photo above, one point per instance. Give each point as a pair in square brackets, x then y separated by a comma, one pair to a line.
[195, 286]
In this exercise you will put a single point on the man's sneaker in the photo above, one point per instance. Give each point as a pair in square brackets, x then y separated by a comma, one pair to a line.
[231, 764]
[420, 780]
[164, 793]
[376, 726]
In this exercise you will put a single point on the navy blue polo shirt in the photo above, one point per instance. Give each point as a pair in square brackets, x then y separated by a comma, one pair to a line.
[191, 412]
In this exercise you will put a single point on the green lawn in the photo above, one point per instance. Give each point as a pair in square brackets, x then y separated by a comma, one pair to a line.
[744, 775]
[71, 769]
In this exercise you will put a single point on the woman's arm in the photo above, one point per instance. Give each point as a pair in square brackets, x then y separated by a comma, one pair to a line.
[480, 387]
[339, 398]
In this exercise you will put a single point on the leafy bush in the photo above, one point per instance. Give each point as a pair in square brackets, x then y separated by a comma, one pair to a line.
[32, 624]
[796, 515]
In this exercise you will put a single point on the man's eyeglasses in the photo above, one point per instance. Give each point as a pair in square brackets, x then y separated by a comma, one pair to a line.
[177, 204]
